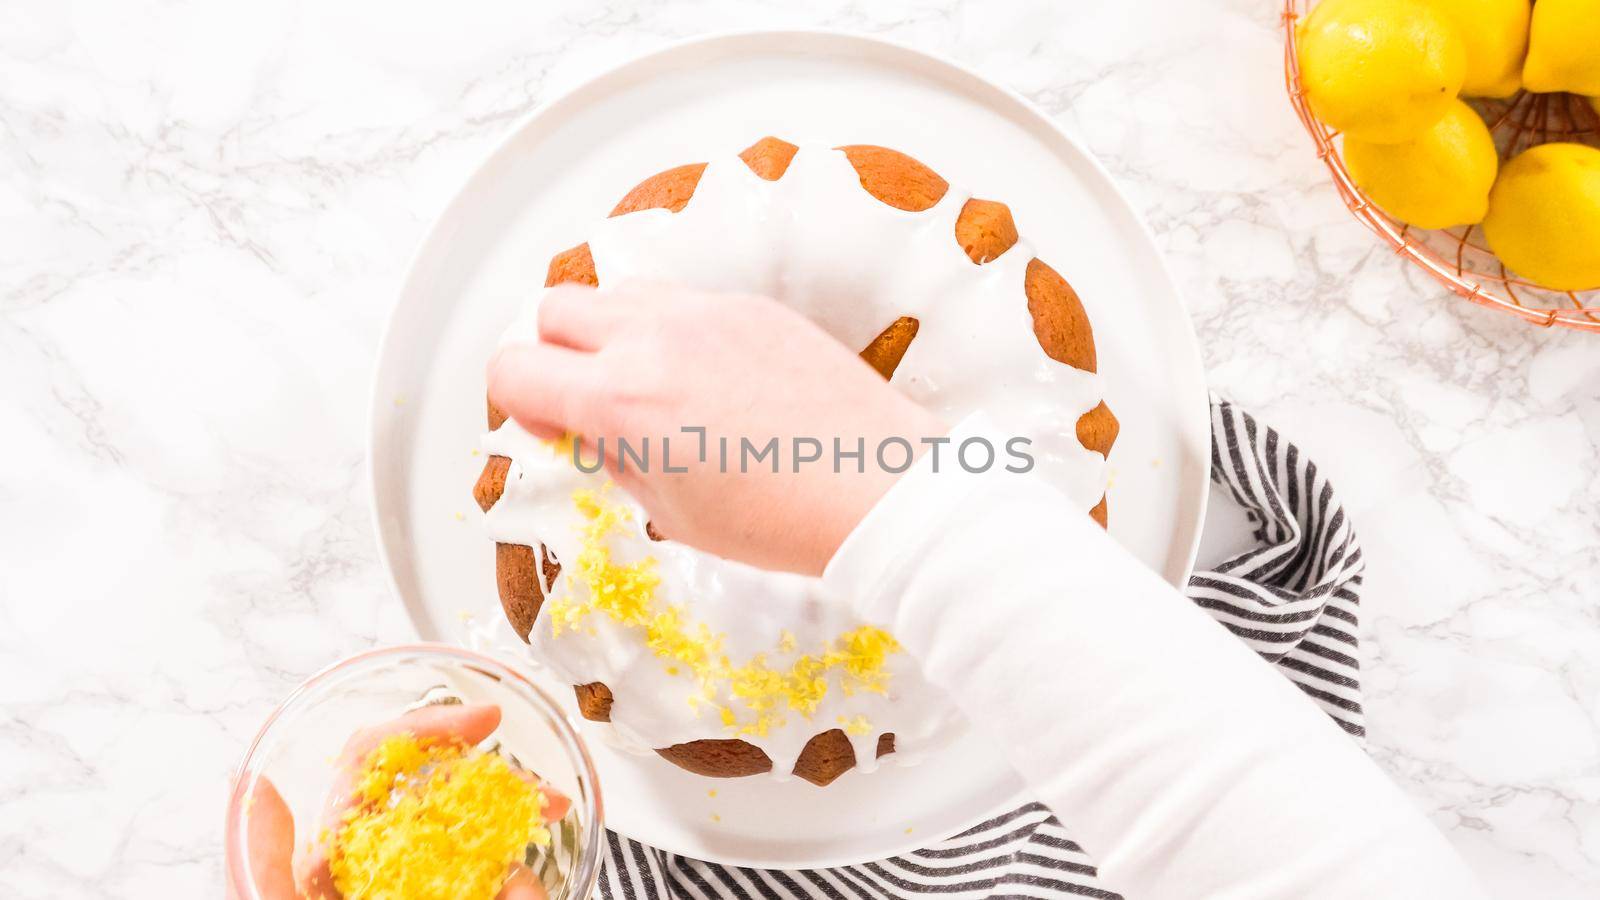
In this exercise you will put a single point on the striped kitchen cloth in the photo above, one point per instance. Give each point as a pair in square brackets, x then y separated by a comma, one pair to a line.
[1293, 599]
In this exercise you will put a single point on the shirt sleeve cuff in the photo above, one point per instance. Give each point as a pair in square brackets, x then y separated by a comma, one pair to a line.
[873, 564]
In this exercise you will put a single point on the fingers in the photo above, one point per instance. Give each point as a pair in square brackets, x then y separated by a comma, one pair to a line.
[556, 804]
[545, 432]
[580, 318]
[316, 882]
[522, 885]
[269, 839]
[461, 723]
[544, 387]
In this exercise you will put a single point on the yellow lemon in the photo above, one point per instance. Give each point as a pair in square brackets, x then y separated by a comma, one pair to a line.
[1438, 179]
[1564, 47]
[1380, 70]
[1544, 216]
[1495, 33]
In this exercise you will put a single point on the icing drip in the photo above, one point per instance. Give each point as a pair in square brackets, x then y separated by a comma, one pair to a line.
[751, 698]
[816, 240]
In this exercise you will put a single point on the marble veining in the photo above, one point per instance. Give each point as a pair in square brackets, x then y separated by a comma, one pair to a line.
[206, 210]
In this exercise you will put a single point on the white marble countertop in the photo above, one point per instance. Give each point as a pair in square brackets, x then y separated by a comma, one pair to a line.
[205, 212]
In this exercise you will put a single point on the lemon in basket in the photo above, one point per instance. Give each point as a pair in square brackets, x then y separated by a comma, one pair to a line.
[1544, 216]
[1438, 179]
[1495, 34]
[1380, 70]
[1564, 47]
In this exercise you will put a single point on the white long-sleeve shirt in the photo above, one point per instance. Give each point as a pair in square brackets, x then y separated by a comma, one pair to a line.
[1180, 760]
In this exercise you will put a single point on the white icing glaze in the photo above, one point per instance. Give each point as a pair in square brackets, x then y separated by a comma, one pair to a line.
[816, 240]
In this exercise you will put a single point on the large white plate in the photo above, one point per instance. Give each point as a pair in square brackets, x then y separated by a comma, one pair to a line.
[565, 167]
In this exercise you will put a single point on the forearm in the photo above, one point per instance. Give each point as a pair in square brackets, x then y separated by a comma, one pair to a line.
[1183, 763]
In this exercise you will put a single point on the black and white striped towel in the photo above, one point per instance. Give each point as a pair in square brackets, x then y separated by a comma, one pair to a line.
[1293, 599]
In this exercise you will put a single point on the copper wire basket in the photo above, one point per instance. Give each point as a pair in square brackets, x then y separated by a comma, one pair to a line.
[1458, 257]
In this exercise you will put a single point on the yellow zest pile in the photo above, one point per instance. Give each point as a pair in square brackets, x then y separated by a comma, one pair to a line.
[627, 594]
[434, 820]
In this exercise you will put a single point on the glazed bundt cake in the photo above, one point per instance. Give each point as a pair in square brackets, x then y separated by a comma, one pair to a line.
[720, 668]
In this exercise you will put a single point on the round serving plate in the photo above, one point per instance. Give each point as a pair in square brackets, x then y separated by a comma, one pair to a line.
[560, 171]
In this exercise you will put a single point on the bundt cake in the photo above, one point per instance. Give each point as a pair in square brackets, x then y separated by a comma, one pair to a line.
[720, 668]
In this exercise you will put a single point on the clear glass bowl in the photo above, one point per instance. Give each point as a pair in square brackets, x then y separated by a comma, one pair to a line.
[299, 741]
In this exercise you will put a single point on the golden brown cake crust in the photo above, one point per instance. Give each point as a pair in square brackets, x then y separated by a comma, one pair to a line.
[575, 266]
[1059, 320]
[665, 190]
[895, 178]
[516, 569]
[1097, 431]
[769, 157]
[491, 481]
[718, 758]
[825, 757]
[594, 701]
[985, 230]
[890, 346]
[515, 565]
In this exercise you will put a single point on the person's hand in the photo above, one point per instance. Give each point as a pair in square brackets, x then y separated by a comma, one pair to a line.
[269, 826]
[645, 361]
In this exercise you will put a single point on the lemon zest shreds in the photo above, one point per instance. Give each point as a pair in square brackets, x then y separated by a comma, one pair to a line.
[856, 726]
[861, 652]
[622, 591]
[672, 637]
[434, 820]
[626, 593]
